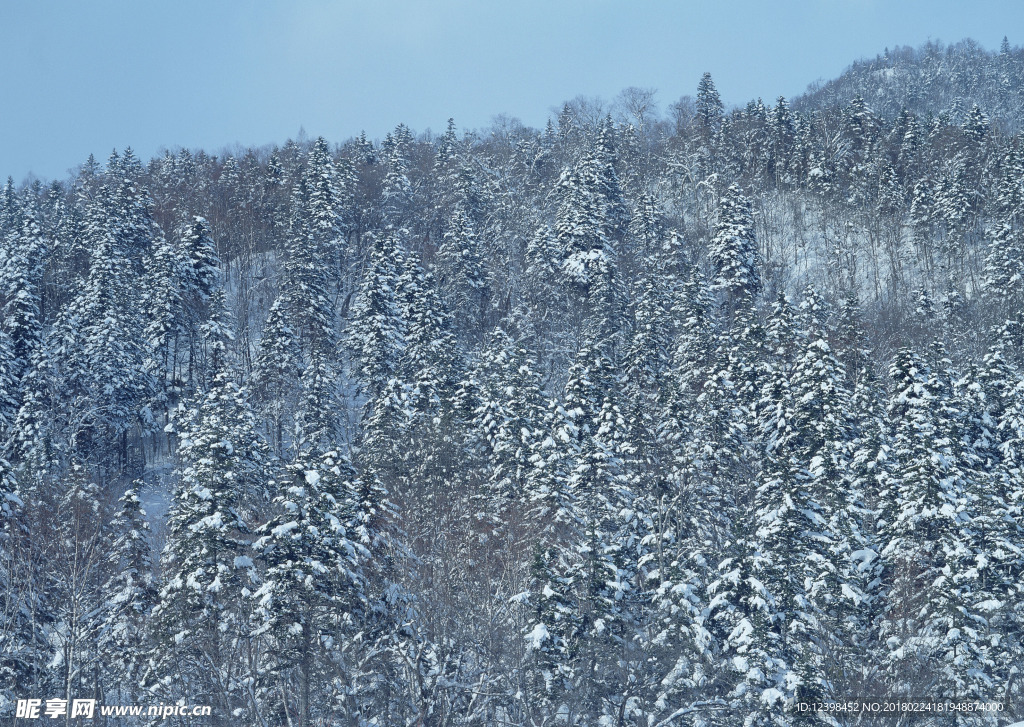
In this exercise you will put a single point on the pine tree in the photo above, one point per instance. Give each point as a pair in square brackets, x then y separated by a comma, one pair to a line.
[709, 105]
[587, 619]
[35, 439]
[581, 232]
[542, 264]
[733, 250]
[616, 211]
[21, 278]
[317, 419]
[165, 321]
[96, 343]
[398, 191]
[975, 125]
[1004, 265]
[510, 415]
[646, 227]
[23, 642]
[206, 572]
[782, 141]
[920, 529]
[129, 593]
[9, 387]
[461, 271]
[276, 371]
[434, 408]
[315, 242]
[200, 615]
[647, 371]
[1009, 194]
[312, 600]
[376, 332]
[202, 269]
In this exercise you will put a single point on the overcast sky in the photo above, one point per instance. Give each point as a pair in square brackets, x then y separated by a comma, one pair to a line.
[80, 77]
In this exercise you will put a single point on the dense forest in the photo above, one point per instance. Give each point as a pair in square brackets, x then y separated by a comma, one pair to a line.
[639, 419]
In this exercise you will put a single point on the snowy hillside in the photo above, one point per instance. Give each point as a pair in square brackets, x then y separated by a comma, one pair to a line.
[931, 81]
[617, 422]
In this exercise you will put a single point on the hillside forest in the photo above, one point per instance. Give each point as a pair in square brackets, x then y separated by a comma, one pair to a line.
[649, 417]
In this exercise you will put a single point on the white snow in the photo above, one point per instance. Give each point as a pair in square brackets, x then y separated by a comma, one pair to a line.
[538, 636]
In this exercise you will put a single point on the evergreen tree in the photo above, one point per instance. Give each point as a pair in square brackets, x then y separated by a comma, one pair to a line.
[276, 371]
[129, 593]
[510, 415]
[315, 241]
[200, 615]
[166, 323]
[97, 344]
[461, 271]
[376, 332]
[202, 267]
[733, 250]
[1004, 265]
[616, 212]
[709, 105]
[921, 531]
[23, 637]
[311, 601]
[9, 386]
[21, 277]
[398, 191]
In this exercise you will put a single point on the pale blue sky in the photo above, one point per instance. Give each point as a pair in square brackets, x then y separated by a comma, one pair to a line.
[84, 76]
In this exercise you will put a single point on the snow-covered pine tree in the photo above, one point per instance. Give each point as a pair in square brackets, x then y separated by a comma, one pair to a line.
[987, 564]
[376, 334]
[1004, 266]
[647, 372]
[541, 277]
[128, 594]
[921, 533]
[21, 277]
[1004, 393]
[587, 258]
[616, 211]
[23, 613]
[9, 389]
[822, 453]
[97, 346]
[202, 267]
[311, 603]
[461, 272]
[397, 193]
[646, 226]
[1009, 193]
[329, 197]
[975, 125]
[510, 416]
[709, 105]
[317, 419]
[314, 245]
[276, 372]
[586, 582]
[166, 323]
[201, 615]
[733, 251]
